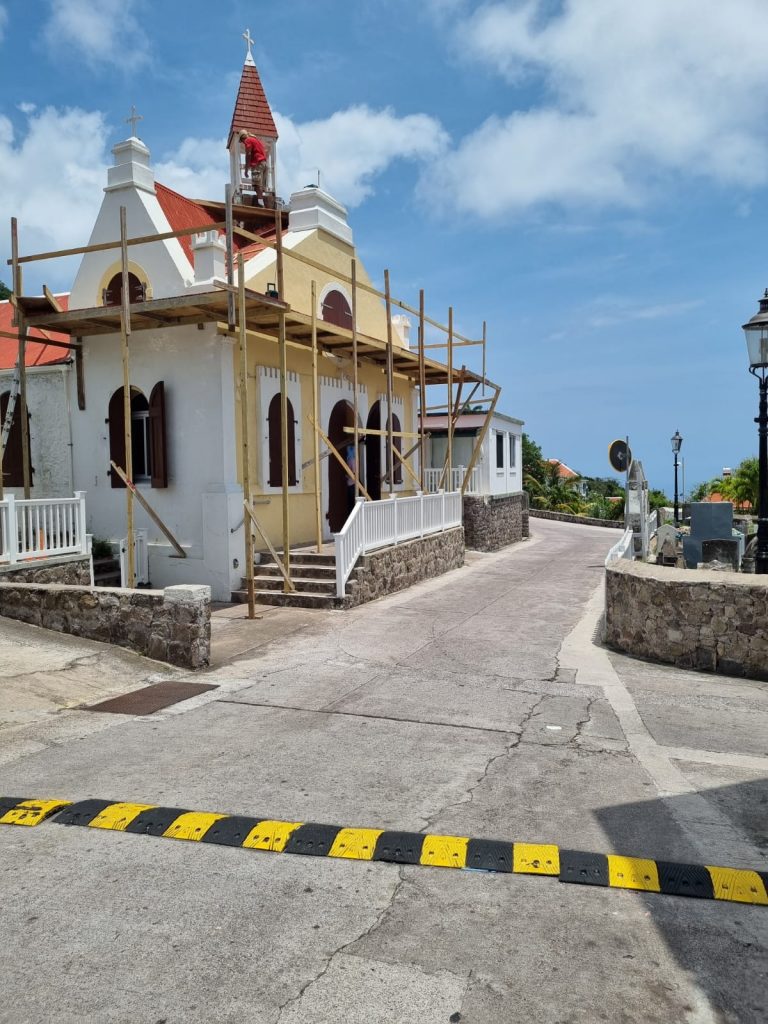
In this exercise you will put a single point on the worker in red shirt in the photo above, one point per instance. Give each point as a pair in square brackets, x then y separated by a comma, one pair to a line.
[255, 163]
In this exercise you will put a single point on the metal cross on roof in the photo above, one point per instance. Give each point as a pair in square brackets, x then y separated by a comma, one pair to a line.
[249, 41]
[133, 119]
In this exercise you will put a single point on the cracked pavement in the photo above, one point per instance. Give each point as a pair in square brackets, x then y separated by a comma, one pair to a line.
[475, 704]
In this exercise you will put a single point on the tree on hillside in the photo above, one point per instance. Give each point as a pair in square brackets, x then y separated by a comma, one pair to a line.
[533, 462]
[555, 493]
[5, 293]
[603, 487]
[658, 499]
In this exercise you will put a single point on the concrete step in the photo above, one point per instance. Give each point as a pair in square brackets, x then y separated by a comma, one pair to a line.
[298, 568]
[295, 600]
[307, 586]
[302, 557]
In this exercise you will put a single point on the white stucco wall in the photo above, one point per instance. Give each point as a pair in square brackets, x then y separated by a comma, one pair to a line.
[50, 451]
[203, 501]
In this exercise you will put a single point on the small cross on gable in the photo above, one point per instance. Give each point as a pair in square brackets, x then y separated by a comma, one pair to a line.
[249, 41]
[133, 120]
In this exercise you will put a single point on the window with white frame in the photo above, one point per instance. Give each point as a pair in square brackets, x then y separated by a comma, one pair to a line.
[512, 451]
[499, 449]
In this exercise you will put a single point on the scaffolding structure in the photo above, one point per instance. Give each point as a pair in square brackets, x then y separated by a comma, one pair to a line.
[243, 314]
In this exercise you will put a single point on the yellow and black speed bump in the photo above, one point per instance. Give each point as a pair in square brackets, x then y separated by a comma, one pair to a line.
[311, 839]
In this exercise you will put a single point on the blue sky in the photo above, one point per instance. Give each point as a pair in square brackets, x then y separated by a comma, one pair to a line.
[586, 175]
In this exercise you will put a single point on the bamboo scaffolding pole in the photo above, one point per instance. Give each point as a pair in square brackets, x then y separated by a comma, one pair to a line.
[346, 279]
[16, 278]
[244, 440]
[125, 333]
[456, 344]
[339, 458]
[390, 386]
[103, 246]
[315, 435]
[180, 552]
[230, 257]
[422, 390]
[450, 397]
[270, 547]
[485, 339]
[402, 459]
[355, 377]
[381, 433]
[481, 438]
[40, 341]
[283, 402]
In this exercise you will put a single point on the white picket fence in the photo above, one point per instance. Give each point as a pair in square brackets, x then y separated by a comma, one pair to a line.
[42, 528]
[432, 479]
[379, 524]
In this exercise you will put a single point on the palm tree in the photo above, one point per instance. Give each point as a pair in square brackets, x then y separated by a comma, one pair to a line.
[554, 492]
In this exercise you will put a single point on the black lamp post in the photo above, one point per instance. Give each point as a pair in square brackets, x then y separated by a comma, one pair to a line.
[677, 444]
[756, 332]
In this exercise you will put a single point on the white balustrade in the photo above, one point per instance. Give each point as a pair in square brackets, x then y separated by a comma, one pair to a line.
[42, 528]
[432, 478]
[623, 548]
[378, 524]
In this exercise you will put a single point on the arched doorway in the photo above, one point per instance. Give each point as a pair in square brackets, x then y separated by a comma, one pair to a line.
[373, 453]
[341, 490]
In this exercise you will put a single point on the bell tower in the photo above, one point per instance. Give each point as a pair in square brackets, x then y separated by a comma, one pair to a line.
[252, 114]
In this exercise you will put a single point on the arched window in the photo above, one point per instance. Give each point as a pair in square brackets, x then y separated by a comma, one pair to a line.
[148, 442]
[336, 310]
[113, 293]
[13, 462]
[275, 446]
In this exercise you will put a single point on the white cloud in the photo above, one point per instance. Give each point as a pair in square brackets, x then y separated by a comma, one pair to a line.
[3, 21]
[103, 31]
[51, 179]
[630, 93]
[350, 148]
[615, 313]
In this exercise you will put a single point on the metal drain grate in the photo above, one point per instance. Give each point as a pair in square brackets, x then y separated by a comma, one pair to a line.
[149, 699]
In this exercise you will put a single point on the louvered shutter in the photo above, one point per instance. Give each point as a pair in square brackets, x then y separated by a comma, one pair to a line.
[116, 436]
[157, 436]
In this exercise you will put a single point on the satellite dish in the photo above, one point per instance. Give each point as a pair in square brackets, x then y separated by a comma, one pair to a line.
[619, 456]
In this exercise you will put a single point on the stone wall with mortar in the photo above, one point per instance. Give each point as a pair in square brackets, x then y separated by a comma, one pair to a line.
[564, 517]
[172, 625]
[73, 570]
[386, 572]
[700, 619]
[492, 521]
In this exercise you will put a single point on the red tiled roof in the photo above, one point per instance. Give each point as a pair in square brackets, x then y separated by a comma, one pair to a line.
[182, 213]
[251, 107]
[565, 471]
[38, 353]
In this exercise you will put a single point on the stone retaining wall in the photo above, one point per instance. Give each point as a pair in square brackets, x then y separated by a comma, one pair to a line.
[701, 619]
[172, 625]
[492, 521]
[73, 570]
[386, 572]
[564, 517]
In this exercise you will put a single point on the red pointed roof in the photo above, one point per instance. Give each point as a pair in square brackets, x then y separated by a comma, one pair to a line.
[252, 110]
[182, 213]
[38, 353]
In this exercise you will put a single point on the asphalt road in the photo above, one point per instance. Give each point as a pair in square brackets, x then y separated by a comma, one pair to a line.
[476, 704]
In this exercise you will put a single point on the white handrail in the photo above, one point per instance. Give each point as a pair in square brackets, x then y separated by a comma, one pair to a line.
[622, 549]
[377, 524]
[433, 476]
[36, 528]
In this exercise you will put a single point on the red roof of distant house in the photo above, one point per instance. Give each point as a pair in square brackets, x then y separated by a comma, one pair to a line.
[565, 471]
[252, 111]
[38, 353]
[717, 497]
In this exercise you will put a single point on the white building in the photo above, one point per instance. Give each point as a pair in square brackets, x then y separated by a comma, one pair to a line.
[499, 467]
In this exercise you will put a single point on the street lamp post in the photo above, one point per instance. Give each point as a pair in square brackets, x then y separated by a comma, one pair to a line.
[677, 443]
[756, 332]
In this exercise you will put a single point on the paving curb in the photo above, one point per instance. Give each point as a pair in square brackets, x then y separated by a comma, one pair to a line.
[702, 881]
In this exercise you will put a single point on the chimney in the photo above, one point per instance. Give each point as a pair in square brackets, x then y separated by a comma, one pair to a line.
[402, 325]
[312, 208]
[209, 249]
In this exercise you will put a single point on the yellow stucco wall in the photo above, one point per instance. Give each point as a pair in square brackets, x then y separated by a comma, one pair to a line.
[372, 321]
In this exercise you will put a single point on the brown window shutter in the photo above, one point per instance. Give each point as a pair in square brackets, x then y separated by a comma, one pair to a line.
[13, 473]
[116, 436]
[275, 458]
[292, 478]
[157, 436]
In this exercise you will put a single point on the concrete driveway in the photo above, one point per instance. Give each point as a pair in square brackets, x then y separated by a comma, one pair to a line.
[476, 704]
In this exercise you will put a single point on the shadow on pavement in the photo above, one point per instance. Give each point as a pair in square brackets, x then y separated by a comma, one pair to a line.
[722, 946]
